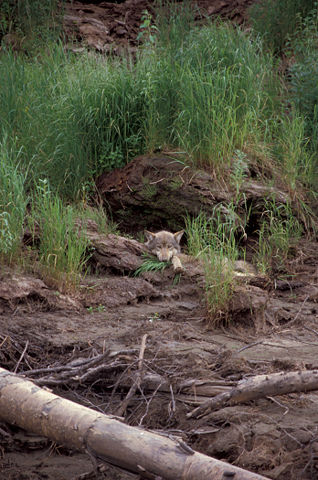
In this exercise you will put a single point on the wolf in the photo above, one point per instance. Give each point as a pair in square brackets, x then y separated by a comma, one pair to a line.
[166, 246]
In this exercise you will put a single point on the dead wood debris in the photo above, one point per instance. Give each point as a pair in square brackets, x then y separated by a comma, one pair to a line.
[80, 370]
[105, 438]
[133, 373]
[122, 409]
[260, 386]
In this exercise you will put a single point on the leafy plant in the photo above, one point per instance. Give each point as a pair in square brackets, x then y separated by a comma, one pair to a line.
[98, 309]
[147, 30]
[154, 317]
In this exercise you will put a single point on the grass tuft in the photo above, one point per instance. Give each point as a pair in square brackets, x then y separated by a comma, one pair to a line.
[13, 201]
[279, 232]
[212, 240]
[63, 248]
[151, 264]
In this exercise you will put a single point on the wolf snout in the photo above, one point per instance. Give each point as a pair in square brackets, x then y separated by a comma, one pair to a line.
[164, 255]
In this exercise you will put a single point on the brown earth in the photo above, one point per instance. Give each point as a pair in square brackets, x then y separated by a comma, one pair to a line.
[270, 326]
[113, 27]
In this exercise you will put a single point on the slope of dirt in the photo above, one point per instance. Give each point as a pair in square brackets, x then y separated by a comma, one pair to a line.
[268, 330]
[113, 27]
[158, 191]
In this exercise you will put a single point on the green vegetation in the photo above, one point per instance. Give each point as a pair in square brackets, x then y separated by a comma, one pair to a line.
[32, 22]
[277, 20]
[70, 119]
[62, 248]
[291, 27]
[13, 201]
[279, 232]
[99, 309]
[147, 30]
[212, 240]
[211, 93]
[150, 264]
[303, 76]
[97, 215]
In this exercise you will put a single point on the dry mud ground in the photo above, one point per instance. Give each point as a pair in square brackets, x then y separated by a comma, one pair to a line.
[271, 327]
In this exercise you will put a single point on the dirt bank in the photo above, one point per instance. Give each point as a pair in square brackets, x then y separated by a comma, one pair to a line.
[271, 327]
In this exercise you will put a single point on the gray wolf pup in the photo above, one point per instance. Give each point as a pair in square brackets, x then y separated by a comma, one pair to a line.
[166, 246]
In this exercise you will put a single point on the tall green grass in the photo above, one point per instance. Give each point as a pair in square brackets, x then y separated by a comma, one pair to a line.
[63, 245]
[303, 75]
[32, 22]
[13, 201]
[213, 241]
[279, 231]
[210, 91]
[73, 118]
[293, 152]
[276, 20]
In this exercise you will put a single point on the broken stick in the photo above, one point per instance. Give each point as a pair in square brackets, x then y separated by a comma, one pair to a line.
[260, 386]
[122, 408]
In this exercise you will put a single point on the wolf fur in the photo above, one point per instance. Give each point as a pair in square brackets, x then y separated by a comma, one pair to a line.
[166, 246]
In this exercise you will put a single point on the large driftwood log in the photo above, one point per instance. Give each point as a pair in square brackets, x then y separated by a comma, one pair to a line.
[159, 191]
[24, 404]
[111, 250]
[260, 386]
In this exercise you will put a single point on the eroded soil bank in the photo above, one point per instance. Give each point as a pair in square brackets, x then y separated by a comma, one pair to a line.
[271, 326]
[113, 27]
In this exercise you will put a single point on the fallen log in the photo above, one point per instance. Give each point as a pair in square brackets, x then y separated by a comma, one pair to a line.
[24, 404]
[260, 386]
[114, 251]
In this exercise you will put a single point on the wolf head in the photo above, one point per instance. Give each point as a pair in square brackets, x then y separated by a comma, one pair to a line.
[164, 244]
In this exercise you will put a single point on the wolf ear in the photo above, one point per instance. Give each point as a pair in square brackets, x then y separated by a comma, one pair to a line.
[178, 235]
[149, 235]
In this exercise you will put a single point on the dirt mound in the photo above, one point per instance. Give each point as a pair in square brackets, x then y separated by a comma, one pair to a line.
[159, 191]
[114, 27]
